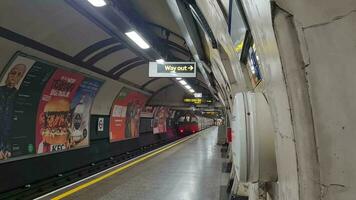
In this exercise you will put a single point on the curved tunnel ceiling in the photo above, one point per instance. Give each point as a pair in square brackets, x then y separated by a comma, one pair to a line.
[71, 34]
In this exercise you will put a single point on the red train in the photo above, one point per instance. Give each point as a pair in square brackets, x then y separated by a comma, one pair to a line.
[190, 123]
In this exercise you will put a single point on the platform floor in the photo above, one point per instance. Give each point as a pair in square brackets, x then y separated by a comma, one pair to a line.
[189, 171]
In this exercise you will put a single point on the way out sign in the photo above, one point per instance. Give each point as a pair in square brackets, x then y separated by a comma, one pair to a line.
[172, 69]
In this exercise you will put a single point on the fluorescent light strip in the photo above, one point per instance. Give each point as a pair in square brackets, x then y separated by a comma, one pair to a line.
[134, 36]
[179, 79]
[183, 82]
[191, 90]
[160, 61]
[188, 87]
[97, 3]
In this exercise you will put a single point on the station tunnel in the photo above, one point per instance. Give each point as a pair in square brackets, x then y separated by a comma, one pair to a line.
[177, 99]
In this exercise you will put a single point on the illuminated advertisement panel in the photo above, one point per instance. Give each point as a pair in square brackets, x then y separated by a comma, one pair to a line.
[160, 116]
[43, 108]
[64, 112]
[54, 112]
[125, 114]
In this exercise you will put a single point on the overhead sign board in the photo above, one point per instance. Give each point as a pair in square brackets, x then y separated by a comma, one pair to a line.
[172, 69]
[194, 100]
[197, 101]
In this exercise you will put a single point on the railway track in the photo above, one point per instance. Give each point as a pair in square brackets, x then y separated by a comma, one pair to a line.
[39, 188]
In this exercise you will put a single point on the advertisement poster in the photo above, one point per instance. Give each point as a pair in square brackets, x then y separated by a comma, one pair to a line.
[10, 83]
[160, 116]
[25, 110]
[54, 115]
[147, 112]
[80, 112]
[125, 115]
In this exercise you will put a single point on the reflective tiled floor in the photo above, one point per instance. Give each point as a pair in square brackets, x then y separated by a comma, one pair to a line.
[190, 171]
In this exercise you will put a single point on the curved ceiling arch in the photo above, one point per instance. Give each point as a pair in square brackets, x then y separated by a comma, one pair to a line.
[149, 82]
[127, 68]
[102, 54]
[115, 69]
[95, 47]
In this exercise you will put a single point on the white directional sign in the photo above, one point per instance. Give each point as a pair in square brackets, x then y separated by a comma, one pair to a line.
[172, 69]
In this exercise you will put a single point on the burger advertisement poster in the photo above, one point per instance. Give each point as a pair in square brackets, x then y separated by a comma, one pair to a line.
[64, 112]
[125, 115]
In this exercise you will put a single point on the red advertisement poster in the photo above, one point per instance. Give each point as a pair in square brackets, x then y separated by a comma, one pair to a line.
[53, 115]
[160, 120]
[125, 115]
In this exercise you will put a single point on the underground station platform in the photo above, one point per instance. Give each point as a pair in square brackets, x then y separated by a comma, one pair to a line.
[177, 99]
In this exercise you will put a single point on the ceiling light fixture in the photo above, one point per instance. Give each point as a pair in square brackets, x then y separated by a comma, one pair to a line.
[198, 95]
[179, 79]
[134, 36]
[97, 3]
[191, 90]
[188, 87]
[160, 61]
[183, 82]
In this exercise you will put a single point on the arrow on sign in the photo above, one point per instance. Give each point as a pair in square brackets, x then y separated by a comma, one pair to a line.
[190, 68]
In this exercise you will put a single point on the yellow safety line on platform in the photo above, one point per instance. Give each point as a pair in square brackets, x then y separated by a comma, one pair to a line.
[85, 185]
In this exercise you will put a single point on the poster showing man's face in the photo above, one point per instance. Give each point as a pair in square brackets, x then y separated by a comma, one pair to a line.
[16, 72]
[15, 75]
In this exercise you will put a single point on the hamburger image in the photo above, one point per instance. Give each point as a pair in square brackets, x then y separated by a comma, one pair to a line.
[56, 121]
